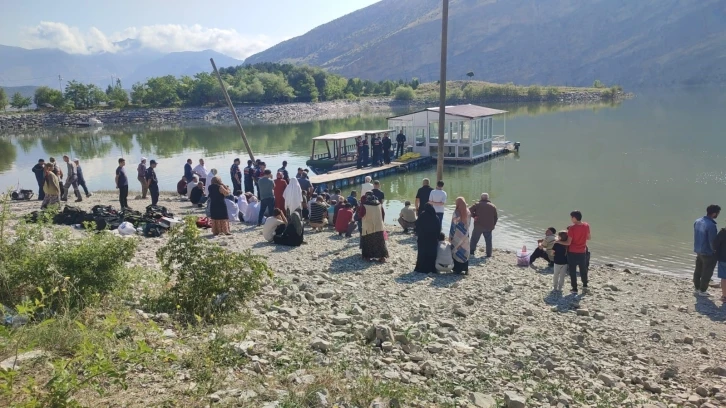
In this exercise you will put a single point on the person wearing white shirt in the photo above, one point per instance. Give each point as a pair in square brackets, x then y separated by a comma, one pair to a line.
[272, 223]
[210, 176]
[437, 198]
[201, 172]
[242, 206]
[366, 187]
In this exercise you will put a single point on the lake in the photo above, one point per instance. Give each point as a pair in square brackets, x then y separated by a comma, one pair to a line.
[640, 171]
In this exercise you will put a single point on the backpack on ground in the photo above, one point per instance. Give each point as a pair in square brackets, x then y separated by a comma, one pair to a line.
[22, 195]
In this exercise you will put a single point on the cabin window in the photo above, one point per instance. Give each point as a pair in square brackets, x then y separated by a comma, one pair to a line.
[487, 147]
[450, 152]
[464, 152]
[453, 132]
[433, 132]
[466, 132]
[478, 150]
[434, 151]
[420, 137]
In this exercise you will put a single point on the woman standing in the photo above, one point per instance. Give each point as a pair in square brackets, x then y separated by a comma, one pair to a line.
[292, 196]
[459, 236]
[427, 232]
[279, 192]
[372, 239]
[218, 207]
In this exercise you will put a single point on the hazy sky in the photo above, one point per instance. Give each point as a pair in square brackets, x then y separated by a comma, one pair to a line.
[237, 28]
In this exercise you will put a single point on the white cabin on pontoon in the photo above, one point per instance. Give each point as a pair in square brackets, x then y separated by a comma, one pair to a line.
[469, 134]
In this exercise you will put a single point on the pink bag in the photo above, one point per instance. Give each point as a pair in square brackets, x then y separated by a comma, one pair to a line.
[523, 257]
[385, 235]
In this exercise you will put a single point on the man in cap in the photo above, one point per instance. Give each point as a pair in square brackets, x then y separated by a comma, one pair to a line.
[152, 182]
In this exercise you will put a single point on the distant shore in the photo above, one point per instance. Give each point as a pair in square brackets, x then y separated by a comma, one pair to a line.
[278, 113]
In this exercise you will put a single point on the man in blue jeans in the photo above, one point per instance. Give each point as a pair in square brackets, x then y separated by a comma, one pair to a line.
[267, 196]
[704, 235]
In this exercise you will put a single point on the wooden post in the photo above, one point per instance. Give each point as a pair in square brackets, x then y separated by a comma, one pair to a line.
[234, 112]
[442, 92]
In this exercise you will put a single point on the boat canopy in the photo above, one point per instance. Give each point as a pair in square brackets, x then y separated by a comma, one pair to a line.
[351, 134]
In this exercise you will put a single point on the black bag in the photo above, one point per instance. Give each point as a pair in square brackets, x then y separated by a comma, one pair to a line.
[153, 210]
[134, 217]
[153, 230]
[22, 195]
[103, 210]
[70, 216]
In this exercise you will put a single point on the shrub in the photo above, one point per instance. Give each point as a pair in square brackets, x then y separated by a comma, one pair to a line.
[404, 93]
[552, 92]
[207, 281]
[534, 92]
[72, 272]
[454, 95]
[598, 84]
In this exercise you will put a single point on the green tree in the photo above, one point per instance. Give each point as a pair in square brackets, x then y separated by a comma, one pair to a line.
[162, 92]
[404, 93]
[18, 101]
[470, 74]
[95, 95]
[276, 88]
[138, 94]
[598, 84]
[48, 95]
[334, 87]
[205, 90]
[415, 83]
[3, 99]
[77, 94]
[118, 97]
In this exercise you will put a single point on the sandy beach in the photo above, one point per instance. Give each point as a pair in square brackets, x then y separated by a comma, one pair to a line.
[497, 337]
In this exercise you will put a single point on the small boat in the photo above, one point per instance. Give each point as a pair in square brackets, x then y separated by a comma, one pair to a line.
[91, 122]
[340, 150]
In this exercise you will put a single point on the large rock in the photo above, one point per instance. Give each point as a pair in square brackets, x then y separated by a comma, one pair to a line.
[14, 361]
[320, 345]
[514, 400]
[482, 400]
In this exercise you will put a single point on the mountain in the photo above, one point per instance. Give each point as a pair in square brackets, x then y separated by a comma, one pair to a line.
[573, 42]
[132, 63]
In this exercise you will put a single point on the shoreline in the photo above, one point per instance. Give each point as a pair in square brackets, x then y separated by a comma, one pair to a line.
[277, 113]
[499, 332]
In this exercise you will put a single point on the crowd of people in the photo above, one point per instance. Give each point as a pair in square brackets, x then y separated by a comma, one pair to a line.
[51, 187]
[379, 150]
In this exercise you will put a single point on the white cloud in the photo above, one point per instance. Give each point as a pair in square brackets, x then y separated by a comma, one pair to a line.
[161, 37]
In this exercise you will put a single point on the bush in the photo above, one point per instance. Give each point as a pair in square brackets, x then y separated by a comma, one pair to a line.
[454, 95]
[553, 92]
[404, 93]
[207, 281]
[534, 92]
[71, 272]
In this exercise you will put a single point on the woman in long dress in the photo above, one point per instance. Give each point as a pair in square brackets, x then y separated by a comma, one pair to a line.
[293, 233]
[292, 196]
[459, 236]
[427, 238]
[372, 239]
[279, 192]
[218, 207]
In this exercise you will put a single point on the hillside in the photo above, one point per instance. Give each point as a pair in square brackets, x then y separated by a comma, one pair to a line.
[649, 42]
[22, 67]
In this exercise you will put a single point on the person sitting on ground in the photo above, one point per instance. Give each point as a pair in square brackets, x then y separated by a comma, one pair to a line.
[318, 214]
[344, 223]
[181, 186]
[544, 247]
[444, 259]
[366, 187]
[198, 195]
[241, 205]
[232, 209]
[253, 209]
[331, 212]
[293, 233]
[559, 257]
[195, 182]
[339, 205]
[353, 199]
[336, 196]
[407, 218]
[274, 225]
[208, 180]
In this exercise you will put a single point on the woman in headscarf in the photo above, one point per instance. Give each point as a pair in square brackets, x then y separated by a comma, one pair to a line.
[427, 237]
[372, 239]
[253, 209]
[459, 236]
[218, 207]
[293, 233]
[292, 196]
[279, 190]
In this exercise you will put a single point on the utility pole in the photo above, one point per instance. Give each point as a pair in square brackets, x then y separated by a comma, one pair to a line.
[234, 112]
[60, 83]
[442, 92]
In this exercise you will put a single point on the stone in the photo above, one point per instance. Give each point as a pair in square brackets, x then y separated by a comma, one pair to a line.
[392, 375]
[702, 391]
[340, 320]
[169, 334]
[583, 312]
[598, 316]
[607, 380]
[688, 340]
[652, 386]
[320, 345]
[387, 346]
[356, 310]
[461, 312]
[514, 400]
[482, 400]
[670, 373]
[446, 323]
[14, 361]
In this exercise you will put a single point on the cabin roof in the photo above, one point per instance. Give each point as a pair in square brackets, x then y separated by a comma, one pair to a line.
[350, 134]
[465, 111]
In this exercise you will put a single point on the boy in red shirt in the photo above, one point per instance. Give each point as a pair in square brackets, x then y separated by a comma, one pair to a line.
[577, 236]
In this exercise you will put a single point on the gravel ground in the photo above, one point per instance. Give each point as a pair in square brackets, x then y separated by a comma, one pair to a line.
[497, 336]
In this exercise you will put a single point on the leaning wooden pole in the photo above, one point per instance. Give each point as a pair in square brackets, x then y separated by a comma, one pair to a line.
[442, 92]
[234, 112]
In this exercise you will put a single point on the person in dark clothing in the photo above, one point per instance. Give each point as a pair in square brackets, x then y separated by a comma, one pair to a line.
[366, 152]
[188, 173]
[81, 179]
[386, 142]
[197, 196]
[39, 171]
[377, 148]
[428, 230]
[181, 186]
[236, 175]
[153, 182]
[218, 207]
[400, 143]
[249, 173]
[293, 233]
[122, 184]
[359, 152]
[719, 246]
[422, 196]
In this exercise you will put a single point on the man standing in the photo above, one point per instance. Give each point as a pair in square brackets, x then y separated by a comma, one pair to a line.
[71, 180]
[81, 179]
[366, 187]
[377, 191]
[188, 173]
[122, 184]
[141, 176]
[201, 171]
[51, 187]
[304, 182]
[248, 174]
[267, 195]
[422, 196]
[259, 174]
[39, 171]
[359, 152]
[283, 170]
[437, 198]
[386, 142]
[400, 143]
[377, 148]
[704, 235]
[236, 175]
[485, 220]
[577, 236]
[152, 182]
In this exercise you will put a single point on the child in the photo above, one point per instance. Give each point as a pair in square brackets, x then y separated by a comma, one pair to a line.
[444, 259]
[407, 218]
[560, 260]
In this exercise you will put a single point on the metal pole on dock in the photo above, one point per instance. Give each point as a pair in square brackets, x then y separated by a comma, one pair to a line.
[442, 92]
[234, 112]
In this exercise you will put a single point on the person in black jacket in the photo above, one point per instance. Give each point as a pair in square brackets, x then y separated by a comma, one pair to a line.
[152, 182]
[39, 170]
[386, 149]
[719, 245]
[400, 143]
[377, 148]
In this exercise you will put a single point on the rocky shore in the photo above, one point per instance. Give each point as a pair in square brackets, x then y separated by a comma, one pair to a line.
[287, 113]
[499, 337]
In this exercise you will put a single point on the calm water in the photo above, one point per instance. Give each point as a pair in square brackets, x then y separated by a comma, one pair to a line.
[640, 171]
